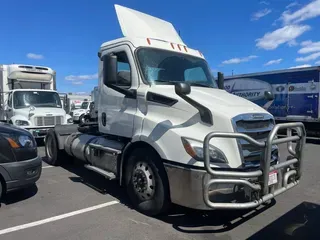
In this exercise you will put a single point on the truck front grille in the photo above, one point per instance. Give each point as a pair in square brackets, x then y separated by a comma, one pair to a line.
[48, 120]
[258, 130]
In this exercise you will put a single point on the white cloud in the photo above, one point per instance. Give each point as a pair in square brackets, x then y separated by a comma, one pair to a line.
[291, 5]
[34, 56]
[317, 63]
[239, 60]
[286, 34]
[264, 2]
[81, 77]
[309, 47]
[292, 43]
[308, 11]
[260, 14]
[308, 58]
[301, 66]
[271, 62]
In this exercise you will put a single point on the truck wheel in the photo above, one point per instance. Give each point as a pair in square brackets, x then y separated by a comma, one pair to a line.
[147, 183]
[53, 153]
[82, 119]
[1, 190]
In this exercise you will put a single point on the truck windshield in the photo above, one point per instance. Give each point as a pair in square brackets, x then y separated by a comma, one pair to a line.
[24, 99]
[166, 67]
[84, 105]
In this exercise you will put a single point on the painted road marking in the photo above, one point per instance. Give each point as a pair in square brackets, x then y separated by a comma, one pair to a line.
[47, 166]
[56, 218]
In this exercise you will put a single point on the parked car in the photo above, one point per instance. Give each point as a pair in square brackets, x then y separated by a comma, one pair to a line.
[20, 164]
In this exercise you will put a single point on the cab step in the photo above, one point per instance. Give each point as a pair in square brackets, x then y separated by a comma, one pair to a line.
[104, 173]
[105, 149]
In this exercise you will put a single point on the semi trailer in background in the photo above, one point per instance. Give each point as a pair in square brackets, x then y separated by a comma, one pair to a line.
[29, 98]
[296, 94]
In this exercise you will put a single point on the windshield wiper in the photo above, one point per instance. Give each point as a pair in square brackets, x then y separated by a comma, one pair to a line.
[191, 83]
[165, 81]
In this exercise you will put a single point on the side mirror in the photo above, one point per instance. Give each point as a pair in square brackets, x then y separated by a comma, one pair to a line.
[220, 80]
[182, 88]
[110, 69]
[268, 95]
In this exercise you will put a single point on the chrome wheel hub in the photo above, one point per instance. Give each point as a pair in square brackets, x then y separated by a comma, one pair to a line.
[143, 181]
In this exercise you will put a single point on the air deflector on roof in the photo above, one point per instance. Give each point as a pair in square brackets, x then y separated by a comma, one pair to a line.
[137, 24]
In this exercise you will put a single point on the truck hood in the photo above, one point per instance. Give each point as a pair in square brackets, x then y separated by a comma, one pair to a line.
[41, 111]
[80, 111]
[218, 101]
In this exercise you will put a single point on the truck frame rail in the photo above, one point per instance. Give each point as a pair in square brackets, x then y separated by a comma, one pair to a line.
[288, 172]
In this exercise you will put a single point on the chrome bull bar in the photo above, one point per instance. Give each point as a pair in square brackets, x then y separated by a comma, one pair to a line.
[291, 168]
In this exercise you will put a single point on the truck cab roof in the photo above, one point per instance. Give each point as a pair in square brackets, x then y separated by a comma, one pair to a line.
[31, 90]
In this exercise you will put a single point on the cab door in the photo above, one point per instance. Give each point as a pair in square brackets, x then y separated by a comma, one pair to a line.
[9, 107]
[116, 110]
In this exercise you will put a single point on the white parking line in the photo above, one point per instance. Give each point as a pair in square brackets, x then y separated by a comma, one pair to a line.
[55, 218]
[47, 166]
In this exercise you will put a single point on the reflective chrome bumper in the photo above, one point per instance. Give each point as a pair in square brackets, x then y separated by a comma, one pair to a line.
[256, 183]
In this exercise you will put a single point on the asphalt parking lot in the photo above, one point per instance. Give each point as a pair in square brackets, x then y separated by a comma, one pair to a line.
[71, 202]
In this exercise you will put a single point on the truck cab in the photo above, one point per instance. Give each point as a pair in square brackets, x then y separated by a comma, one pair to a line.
[79, 114]
[35, 110]
[169, 134]
[30, 100]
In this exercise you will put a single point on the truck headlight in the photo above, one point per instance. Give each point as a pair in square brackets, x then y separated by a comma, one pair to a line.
[21, 141]
[21, 123]
[195, 149]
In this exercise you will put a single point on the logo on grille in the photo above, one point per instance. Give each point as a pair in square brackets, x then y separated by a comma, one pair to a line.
[49, 114]
[257, 116]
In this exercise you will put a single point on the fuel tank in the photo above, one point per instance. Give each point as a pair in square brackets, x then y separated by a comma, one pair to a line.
[77, 145]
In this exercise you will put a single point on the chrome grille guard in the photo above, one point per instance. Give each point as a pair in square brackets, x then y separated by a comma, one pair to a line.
[265, 192]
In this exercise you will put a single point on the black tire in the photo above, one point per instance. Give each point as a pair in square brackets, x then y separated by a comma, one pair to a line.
[160, 200]
[1, 190]
[82, 119]
[53, 154]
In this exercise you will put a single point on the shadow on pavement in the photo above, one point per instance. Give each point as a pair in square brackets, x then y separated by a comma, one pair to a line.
[19, 195]
[302, 222]
[96, 181]
[182, 219]
[218, 221]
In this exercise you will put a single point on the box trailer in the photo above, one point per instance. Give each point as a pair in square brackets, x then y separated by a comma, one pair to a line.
[296, 92]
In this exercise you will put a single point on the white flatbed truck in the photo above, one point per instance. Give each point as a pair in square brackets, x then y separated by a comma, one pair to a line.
[167, 132]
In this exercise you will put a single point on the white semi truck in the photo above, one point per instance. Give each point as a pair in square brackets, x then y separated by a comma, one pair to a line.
[29, 98]
[168, 134]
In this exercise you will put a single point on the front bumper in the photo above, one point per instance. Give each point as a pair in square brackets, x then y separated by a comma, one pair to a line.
[231, 189]
[39, 132]
[22, 174]
[76, 118]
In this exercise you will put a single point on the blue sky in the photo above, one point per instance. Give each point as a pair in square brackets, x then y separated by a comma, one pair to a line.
[239, 36]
